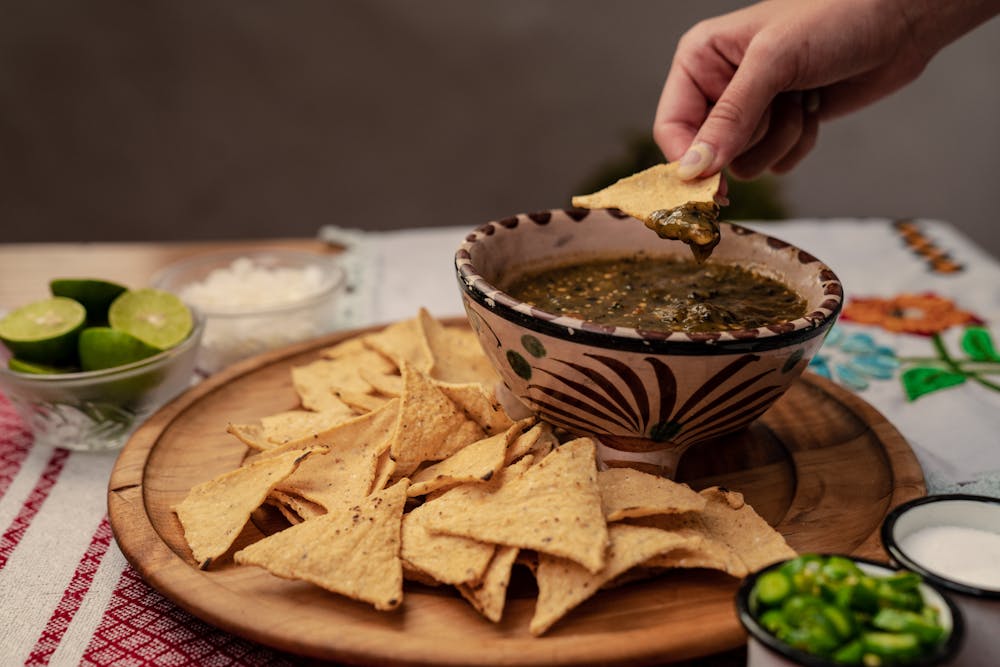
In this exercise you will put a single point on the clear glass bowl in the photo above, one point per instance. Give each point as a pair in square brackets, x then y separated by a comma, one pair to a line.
[98, 410]
[235, 331]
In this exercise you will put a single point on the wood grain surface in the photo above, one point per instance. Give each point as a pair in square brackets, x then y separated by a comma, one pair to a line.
[822, 465]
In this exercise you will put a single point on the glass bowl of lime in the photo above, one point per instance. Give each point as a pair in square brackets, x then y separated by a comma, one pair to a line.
[255, 301]
[88, 365]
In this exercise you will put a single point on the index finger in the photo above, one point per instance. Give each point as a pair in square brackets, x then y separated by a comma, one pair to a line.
[680, 112]
[766, 70]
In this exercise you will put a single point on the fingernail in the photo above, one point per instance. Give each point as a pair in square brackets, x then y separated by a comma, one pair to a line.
[695, 161]
[811, 101]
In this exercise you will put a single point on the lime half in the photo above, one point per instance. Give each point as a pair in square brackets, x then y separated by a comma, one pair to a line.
[21, 366]
[95, 295]
[103, 347]
[155, 317]
[44, 332]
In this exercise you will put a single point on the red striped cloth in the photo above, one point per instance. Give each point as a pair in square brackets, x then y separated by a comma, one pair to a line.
[69, 596]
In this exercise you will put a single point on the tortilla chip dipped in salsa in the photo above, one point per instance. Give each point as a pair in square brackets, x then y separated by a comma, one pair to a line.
[673, 208]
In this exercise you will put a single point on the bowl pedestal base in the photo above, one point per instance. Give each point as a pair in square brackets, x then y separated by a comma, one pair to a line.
[662, 462]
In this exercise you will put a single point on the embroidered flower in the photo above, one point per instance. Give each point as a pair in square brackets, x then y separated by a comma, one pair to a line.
[923, 314]
[854, 359]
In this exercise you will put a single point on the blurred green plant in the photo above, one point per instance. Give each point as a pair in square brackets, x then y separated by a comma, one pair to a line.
[759, 199]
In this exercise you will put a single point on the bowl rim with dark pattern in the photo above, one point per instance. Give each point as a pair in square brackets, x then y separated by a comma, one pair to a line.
[769, 337]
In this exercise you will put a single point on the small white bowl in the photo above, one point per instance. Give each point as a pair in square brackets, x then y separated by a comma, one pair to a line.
[979, 605]
[766, 650]
[239, 331]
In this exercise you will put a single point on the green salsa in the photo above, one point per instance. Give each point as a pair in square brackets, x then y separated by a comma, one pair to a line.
[659, 294]
[694, 223]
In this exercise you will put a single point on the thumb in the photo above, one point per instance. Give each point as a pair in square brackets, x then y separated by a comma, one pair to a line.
[732, 120]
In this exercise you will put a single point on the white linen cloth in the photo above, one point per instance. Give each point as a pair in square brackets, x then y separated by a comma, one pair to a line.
[69, 597]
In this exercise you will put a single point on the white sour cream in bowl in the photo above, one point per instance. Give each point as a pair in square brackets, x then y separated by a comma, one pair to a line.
[954, 541]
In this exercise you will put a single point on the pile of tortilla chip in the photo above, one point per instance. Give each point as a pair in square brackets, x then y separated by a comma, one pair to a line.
[402, 465]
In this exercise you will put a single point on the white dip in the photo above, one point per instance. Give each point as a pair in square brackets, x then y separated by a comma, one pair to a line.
[228, 295]
[965, 555]
[244, 285]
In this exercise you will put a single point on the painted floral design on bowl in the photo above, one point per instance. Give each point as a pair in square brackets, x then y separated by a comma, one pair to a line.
[646, 395]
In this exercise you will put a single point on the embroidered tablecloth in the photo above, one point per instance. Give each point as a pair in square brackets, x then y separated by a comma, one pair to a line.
[917, 340]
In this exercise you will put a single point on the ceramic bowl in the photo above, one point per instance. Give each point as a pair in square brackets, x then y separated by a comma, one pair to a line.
[980, 604]
[236, 329]
[98, 410]
[645, 395]
[766, 650]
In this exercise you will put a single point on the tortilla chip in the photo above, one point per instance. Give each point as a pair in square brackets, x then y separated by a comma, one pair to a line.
[477, 462]
[296, 424]
[726, 519]
[563, 584]
[302, 508]
[700, 551]
[651, 190]
[403, 342]
[214, 512]
[477, 366]
[354, 553]
[445, 558]
[490, 594]
[734, 522]
[457, 356]
[387, 384]
[411, 573]
[384, 471]
[347, 348]
[362, 403]
[478, 403]
[538, 440]
[626, 492]
[430, 427]
[528, 559]
[709, 554]
[345, 474]
[251, 435]
[318, 382]
[337, 432]
[285, 511]
[315, 392]
[553, 507]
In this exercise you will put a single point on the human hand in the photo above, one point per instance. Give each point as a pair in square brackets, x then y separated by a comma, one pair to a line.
[748, 89]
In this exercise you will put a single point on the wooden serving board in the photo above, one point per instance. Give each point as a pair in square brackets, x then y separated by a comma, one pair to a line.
[821, 465]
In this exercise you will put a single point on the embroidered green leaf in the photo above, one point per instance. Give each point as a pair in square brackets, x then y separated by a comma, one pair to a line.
[978, 344]
[923, 380]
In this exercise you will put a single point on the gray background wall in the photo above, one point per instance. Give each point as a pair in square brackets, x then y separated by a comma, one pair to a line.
[197, 120]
